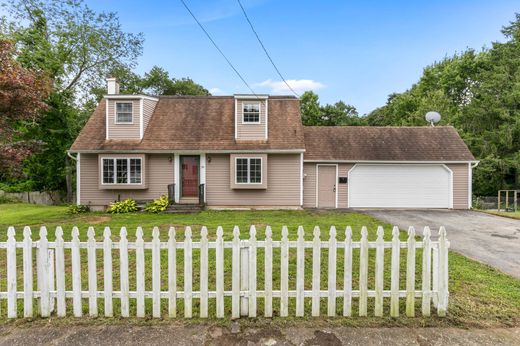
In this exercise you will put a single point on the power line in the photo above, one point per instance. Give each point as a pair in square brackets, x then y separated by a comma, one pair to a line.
[265, 50]
[217, 47]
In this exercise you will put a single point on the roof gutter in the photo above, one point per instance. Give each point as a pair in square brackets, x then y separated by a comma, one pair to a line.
[70, 155]
[389, 161]
[189, 151]
[475, 164]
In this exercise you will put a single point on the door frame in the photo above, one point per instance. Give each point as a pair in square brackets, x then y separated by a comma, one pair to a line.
[318, 179]
[181, 174]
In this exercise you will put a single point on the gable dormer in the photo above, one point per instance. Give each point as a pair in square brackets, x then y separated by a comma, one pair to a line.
[127, 116]
[251, 118]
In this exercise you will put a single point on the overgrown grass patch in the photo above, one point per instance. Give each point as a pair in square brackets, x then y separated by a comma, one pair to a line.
[479, 295]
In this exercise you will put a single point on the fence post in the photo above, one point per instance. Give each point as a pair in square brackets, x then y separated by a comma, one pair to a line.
[60, 273]
[284, 273]
[92, 273]
[76, 274]
[11, 273]
[426, 273]
[156, 273]
[188, 273]
[244, 279]
[268, 272]
[363, 272]
[52, 278]
[172, 273]
[123, 270]
[331, 306]
[252, 271]
[203, 272]
[379, 269]
[107, 266]
[435, 275]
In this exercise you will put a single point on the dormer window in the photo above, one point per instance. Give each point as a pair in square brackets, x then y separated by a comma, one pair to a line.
[124, 113]
[251, 113]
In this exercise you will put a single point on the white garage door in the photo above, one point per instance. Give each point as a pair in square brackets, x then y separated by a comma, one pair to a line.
[400, 186]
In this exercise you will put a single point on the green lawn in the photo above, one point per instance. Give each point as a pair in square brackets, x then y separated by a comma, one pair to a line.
[510, 214]
[479, 295]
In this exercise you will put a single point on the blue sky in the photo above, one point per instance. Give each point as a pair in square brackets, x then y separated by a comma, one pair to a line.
[356, 51]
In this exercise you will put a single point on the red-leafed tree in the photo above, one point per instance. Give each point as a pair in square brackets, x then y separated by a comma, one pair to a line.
[22, 95]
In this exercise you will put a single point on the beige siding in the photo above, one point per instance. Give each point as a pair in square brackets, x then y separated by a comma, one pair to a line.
[251, 131]
[460, 184]
[148, 108]
[159, 174]
[123, 131]
[283, 174]
[309, 185]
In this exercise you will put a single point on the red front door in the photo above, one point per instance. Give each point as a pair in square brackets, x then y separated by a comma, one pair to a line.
[190, 176]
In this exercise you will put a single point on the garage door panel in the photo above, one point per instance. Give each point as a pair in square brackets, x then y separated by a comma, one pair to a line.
[400, 186]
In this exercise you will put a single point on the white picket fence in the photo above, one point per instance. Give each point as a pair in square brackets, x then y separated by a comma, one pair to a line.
[52, 295]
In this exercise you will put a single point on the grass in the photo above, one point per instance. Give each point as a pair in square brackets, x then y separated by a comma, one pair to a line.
[509, 214]
[480, 296]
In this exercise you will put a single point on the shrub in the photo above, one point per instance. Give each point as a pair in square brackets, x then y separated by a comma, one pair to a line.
[125, 206]
[78, 209]
[5, 199]
[158, 205]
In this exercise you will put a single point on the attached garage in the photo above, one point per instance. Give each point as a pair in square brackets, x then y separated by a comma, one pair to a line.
[400, 186]
[386, 167]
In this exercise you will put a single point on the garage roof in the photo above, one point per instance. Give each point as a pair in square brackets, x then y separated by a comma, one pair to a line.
[370, 143]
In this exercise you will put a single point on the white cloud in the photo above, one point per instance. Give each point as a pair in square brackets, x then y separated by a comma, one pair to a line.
[216, 91]
[298, 85]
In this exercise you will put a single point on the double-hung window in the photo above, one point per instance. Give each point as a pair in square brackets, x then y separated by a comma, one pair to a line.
[124, 112]
[248, 170]
[122, 171]
[251, 113]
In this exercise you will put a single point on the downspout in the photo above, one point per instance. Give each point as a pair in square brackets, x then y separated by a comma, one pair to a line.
[470, 183]
[77, 175]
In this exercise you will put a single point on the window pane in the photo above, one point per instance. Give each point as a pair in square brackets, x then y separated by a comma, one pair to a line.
[108, 171]
[251, 112]
[122, 171]
[241, 170]
[255, 170]
[135, 171]
[124, 112]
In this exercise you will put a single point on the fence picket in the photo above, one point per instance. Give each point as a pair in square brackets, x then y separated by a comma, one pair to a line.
[203, 272]
[316, 263]
[363, 272]
[76, 274]
[435, 275]
[268, 272]
[379, 269]
[52, 279]
[92, 273]
[123, 267]
[394, 280]
[347, 274]
[442, 300]
[188, 273]
[331, 308]
[410, 273]
[156, 273]
[300, 266]
[107, 272]
[426, 272]
[172, 273]
[43, 244]
[27, 273]
[284, 273]
[11, 273]
[139, 272]
[252, 271]
[235, 279]
[61, 307]
[220, 272]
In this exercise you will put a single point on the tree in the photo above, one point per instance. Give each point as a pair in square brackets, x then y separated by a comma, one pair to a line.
[479, 94]
[314, 114]
[22, 94]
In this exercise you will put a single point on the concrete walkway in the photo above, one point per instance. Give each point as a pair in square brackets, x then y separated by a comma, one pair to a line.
[173, 334]
[490, 239]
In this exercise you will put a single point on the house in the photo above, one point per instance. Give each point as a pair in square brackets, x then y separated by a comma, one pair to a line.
[251, 151]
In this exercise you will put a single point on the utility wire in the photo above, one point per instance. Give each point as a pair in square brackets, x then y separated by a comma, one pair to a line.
[217, 47]
[265, 50]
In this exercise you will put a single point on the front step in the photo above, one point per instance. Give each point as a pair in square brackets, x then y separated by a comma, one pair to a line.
[184, 208]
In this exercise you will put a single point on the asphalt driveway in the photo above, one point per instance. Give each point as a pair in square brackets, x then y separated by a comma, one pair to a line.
[490, 239]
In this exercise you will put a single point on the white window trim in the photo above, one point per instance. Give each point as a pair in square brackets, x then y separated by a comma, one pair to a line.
[115, 170]
[248, 158]
[115, 114]
[259, 113]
